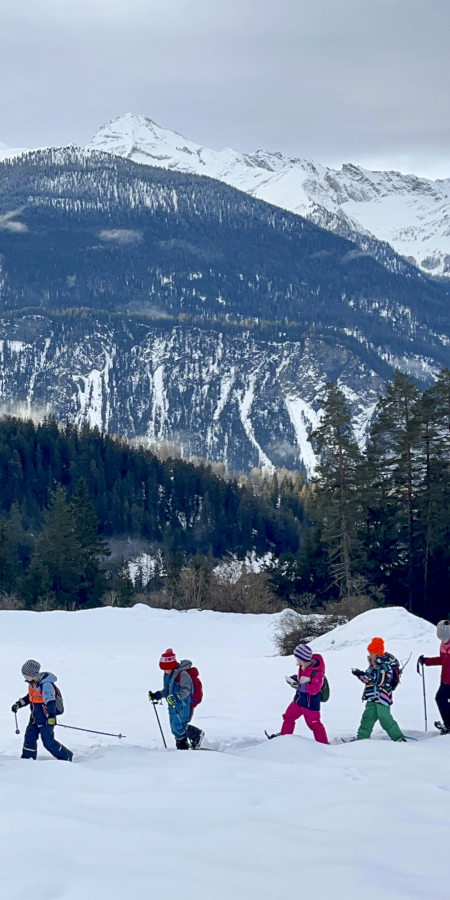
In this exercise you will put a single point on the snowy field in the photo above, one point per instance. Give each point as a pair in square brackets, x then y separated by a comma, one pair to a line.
[257, 820]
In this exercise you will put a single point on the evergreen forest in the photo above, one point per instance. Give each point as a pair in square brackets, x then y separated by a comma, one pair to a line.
[65, 491]
[378, 519]
[373, 523]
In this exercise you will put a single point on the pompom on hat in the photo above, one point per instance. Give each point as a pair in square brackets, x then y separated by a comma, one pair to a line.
[303, 653]
[443, 630]
[168, 661]
[376, 646]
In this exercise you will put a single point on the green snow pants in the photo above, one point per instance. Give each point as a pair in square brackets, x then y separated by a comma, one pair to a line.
[372, 712]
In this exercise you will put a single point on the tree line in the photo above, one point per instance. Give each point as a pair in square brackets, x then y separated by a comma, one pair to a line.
[378, 517]
[373, 524]
[65, 491]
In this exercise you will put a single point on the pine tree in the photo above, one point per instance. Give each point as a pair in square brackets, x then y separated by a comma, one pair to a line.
[92, 546]
[56, 570]
[9, 560]
[393, 465]
[336, 495]
[434, 495]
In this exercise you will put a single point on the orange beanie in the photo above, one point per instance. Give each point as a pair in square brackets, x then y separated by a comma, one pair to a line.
[376, 646]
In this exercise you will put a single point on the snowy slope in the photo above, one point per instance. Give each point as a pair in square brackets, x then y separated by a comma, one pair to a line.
[257, 820]
[8, 152]
[412, 214]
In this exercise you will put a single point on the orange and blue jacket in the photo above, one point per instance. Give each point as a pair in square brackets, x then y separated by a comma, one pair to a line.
[42, 698]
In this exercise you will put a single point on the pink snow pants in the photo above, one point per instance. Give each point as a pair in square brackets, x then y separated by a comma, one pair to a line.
[312, 719]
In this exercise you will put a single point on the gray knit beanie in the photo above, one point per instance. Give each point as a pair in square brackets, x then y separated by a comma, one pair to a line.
[31, 668]
[443, 631]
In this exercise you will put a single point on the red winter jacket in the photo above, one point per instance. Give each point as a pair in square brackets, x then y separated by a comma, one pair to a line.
[442, 660]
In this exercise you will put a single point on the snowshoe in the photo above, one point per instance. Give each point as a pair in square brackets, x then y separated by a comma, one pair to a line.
[270, 736]
[442, 728]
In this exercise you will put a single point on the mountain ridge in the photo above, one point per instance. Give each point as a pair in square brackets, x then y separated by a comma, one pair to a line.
[381, 211]
[355, 202]
[175, 308]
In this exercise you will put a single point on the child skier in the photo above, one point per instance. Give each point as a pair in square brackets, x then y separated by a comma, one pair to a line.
[42, 699]
[378, 680]
[443, 694]
[178, 690]
[308, 684]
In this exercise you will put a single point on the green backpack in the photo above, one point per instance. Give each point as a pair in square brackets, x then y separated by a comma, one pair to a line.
[325, 692]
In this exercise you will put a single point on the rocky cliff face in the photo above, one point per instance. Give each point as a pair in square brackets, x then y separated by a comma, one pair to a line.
[230, 397]
[168, 307]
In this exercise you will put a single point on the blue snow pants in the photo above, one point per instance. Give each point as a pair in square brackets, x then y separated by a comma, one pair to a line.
[179, 716]
[47, 735]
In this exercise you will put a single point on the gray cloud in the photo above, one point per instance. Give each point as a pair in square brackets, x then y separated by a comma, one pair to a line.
[333, 80]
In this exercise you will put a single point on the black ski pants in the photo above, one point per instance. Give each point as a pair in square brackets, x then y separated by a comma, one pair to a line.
[443, 702]
[47, 735]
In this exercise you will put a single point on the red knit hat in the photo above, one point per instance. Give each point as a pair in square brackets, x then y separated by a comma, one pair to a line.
[168, 660]
[376, 646]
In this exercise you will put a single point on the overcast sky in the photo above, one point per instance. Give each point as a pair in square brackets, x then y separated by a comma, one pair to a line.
[364, 81]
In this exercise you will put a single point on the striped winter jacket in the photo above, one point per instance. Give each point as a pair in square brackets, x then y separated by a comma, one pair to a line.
[378, 680]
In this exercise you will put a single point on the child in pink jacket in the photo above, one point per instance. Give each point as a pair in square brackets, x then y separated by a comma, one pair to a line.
[308, 683]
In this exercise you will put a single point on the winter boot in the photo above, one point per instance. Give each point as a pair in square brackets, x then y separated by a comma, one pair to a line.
[197, 739]
[182, 743]
[442, 728]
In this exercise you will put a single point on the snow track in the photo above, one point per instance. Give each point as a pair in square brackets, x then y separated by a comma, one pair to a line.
[257, 820]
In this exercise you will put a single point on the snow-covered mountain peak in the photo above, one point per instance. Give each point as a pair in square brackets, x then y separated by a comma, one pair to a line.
[143, 140]
[410, 213]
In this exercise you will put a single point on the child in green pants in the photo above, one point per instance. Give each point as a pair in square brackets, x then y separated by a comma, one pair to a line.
[378, 682]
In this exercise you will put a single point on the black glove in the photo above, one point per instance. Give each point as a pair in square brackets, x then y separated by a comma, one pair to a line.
[153, 696]
[17, 706]
[358, 672]
[421, 661]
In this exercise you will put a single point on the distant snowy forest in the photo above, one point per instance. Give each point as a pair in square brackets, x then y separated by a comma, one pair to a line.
[372, 524]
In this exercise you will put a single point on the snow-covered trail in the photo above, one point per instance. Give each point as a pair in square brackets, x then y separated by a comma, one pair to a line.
[258, 820]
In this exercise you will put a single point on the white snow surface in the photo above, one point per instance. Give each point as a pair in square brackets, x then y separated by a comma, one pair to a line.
[410, 213]
[8, 152]
[257, 820]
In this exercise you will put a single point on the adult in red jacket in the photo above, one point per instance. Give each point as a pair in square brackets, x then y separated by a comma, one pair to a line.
[443, 694]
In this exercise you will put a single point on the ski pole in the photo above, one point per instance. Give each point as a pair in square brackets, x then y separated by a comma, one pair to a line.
[90, 731]
[424, 695]
[17, 727]
[159, 723]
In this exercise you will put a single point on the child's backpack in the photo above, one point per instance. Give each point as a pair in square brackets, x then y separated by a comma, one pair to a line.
[325, 692]
[396, 671]
[197, 695]
[58, 701]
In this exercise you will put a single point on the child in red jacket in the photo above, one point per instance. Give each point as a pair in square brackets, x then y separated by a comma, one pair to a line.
[443, 694]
